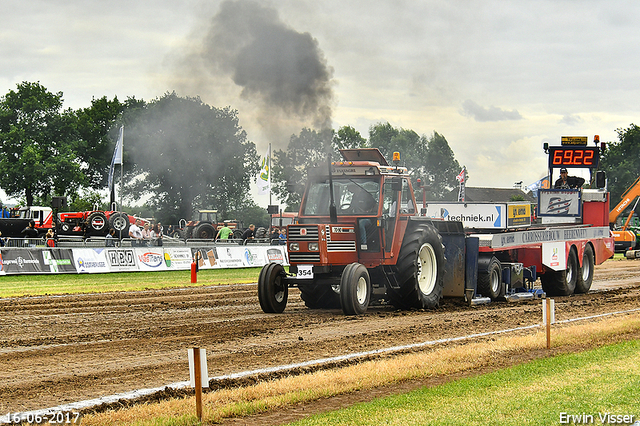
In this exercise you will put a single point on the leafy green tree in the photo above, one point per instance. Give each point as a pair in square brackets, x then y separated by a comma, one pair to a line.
[305, 150]
[184, 155]
[441, 168]
[348, 138]
[38, 141]
[430, 159]
[621, 161]
[97, 135]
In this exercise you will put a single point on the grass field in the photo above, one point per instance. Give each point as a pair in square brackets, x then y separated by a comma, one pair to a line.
[600, 386]
[595, 382]
[38, 285]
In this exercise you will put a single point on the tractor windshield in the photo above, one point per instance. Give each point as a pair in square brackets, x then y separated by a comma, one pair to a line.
[353, 196]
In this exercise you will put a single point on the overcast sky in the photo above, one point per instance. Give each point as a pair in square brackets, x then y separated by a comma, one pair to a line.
[496, 78]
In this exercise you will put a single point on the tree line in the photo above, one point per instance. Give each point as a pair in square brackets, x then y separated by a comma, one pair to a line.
[181, 154]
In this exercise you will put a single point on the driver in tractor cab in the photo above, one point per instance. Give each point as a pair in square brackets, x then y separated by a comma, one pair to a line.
[362, 202]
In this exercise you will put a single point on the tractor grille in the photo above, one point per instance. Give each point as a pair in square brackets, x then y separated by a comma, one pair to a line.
[295, 233]
[333, 246]
[297, 257]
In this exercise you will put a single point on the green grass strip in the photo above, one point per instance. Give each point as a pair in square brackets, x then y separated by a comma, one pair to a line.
[37, 285]
[591, 384]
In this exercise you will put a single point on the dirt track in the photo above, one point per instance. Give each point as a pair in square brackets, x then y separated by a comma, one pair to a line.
[55, 350]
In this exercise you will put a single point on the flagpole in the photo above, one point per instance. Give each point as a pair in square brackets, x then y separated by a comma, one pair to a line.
[269, 174]
[121, 166]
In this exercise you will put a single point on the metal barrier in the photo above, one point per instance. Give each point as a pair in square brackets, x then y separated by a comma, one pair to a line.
[69, 241]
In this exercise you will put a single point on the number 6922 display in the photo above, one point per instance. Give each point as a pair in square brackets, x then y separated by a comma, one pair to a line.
[562, 156]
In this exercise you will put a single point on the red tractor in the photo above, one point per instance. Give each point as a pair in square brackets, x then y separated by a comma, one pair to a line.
[96, 223]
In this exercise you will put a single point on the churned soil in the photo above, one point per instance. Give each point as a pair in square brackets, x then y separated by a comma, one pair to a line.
[61, 349]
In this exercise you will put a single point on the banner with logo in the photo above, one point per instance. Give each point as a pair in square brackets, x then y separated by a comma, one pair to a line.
[151, 259]
[103, 260]
[58, 261]
[22, 261]
[90, 260]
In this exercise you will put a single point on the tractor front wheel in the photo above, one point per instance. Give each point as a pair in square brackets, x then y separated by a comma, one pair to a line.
[272, 290]
[355, 289]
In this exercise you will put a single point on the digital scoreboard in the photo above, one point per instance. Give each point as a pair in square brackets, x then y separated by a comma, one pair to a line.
[573, 157]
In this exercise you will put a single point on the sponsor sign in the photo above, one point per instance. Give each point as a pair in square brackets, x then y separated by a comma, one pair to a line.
[518, 215]
[150, 259]
[554, 256]
[559, 203]
[230, 257]
[472, 215]
[177, 258]
[90, 260]
[122, 259]
[519, 238]
[58, 260]
[21, 261]
[276, 254]
[206, 257]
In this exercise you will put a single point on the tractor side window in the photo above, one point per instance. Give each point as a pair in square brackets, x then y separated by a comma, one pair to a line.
[406, 202]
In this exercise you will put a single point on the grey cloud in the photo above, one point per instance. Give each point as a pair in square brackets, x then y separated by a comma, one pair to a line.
[571, 120]
[480, 113]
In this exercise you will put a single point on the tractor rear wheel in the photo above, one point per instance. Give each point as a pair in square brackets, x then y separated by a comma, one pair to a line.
[120, 222]
[204, 231]
[355, 289]
[562, 283]
[272, 290]
[97, 223]
[316, 296]
[420, 270]
[585, 276]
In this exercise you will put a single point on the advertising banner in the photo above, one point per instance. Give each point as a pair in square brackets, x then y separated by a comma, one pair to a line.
[122, 259]
[90, 260]
[559, 203]
[58, 261]
[472, 215]
[178, 258]
[206, 257]
[103, 260]
[151, 259]
[22, 261]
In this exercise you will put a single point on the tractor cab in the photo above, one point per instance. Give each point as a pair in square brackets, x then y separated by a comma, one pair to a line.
[372, 202]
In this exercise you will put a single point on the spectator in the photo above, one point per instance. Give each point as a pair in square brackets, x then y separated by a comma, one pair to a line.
[224, 233]
[30, 231]
[283, 237]
[249, 233]
[157, 231]
[51, 238]
[3, 240]
[275, 236]
[136, 233]
[109, 238]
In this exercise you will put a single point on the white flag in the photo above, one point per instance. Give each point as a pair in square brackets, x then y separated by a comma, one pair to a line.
[117, 156]
[264, 178]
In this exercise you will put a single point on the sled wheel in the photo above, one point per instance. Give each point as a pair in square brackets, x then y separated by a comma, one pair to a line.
[490, 282]
[585, 276]
[562, 283]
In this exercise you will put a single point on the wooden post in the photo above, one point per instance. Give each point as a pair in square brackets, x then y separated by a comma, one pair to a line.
[548, 308]
[198, 379]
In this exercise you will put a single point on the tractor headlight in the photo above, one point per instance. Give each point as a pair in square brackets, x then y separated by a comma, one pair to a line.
[294, 247]
[313, 246]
